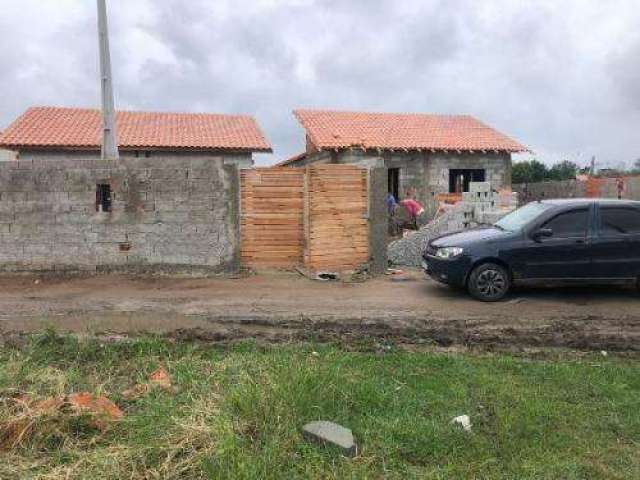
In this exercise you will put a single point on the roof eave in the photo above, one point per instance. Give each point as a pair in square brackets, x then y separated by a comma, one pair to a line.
[129, 148]
[424, 149]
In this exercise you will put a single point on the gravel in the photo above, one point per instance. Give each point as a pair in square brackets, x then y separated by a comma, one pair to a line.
[408, 250]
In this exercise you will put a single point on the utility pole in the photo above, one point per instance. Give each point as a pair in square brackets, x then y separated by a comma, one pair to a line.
[593, 165]
[109, 132]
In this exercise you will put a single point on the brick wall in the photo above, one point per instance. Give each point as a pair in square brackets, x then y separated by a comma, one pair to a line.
[168, 212]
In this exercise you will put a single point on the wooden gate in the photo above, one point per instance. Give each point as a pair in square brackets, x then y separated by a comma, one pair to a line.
[337, 236]
[271, 206]
[314, 216]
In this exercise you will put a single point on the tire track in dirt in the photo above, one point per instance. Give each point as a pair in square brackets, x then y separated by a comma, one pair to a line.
[579, 332]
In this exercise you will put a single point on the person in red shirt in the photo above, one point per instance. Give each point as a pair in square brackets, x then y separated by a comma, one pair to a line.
[413, 207]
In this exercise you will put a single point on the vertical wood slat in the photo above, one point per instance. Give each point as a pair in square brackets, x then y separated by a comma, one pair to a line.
[305, 215]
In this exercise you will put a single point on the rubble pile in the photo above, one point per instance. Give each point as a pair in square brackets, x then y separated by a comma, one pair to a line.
[479, 206]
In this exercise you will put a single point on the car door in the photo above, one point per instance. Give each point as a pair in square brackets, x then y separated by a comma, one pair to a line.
[616, 245]
[564, 254]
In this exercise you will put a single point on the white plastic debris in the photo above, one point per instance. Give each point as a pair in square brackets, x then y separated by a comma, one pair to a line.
[464, 421]
[604, 353]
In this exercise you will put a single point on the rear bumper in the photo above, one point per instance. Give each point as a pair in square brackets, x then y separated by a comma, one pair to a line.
[452, 272]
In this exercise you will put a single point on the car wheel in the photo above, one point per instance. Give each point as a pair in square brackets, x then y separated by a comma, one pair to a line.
[489, 282]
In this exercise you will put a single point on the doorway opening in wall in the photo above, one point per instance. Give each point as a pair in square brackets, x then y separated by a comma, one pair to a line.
[103, 197]
[393, 180]
[459, 179]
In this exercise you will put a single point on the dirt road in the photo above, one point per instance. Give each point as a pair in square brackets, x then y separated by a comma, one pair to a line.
[286, 306]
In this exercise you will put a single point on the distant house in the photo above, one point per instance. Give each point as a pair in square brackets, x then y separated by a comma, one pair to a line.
[53, 133]
[6, 155]
[433, 154]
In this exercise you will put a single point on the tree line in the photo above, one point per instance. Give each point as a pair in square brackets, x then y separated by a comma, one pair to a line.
[534, 171]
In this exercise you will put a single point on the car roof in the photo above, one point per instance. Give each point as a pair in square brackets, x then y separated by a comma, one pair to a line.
[577, 202]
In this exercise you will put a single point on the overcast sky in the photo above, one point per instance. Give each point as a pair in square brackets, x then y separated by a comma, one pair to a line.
[561, 76]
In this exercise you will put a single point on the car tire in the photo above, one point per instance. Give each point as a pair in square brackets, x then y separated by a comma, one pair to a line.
[489, 282]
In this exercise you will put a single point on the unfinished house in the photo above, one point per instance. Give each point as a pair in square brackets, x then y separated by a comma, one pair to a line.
[436, 155]
[170, 201]
[43, 133]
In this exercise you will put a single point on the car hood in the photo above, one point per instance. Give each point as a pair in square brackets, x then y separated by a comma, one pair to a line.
[466, 237]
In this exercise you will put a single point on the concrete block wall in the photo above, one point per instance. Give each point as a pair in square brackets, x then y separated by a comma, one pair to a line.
[531, 192]
[496, 165]
[167, 213]
[427, 173]
[607, 188]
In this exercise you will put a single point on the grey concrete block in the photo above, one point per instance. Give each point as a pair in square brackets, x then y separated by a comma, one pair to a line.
[330, 433]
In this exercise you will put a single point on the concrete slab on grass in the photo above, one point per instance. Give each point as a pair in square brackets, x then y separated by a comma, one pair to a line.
[324, 432]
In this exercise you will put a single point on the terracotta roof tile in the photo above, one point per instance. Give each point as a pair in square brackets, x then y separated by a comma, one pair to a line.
[54, 127]
[329, 129]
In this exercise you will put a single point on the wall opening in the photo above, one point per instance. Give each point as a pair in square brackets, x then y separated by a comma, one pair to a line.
[393, 180]
[103, 197]
[459, 179]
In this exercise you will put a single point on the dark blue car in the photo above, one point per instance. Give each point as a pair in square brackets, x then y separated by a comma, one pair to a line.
[592, 241]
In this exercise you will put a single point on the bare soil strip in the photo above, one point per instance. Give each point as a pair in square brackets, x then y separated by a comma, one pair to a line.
[287, 307]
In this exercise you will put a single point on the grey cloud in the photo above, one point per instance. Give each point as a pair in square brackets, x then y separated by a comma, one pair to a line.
[530, 69]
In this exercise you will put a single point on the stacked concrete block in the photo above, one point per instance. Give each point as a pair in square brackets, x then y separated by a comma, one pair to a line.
[479, 206]
[168, 212]
[427, 172]
[497, 167]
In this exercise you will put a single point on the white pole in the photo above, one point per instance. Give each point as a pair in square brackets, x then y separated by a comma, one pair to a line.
[109, 132]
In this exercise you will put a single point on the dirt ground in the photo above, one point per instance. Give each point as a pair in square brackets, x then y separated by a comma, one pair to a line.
[286, 306]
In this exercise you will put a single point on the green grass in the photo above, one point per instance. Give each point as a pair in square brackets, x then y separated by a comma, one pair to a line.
[238, 412]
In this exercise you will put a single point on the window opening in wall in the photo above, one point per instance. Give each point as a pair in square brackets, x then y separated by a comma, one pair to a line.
[459, 179]
[147, 154]
[393, 179]
[103, 197]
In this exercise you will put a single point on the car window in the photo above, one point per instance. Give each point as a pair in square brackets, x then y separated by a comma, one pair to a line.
[522, 216]
[569, 224]
[619, 221]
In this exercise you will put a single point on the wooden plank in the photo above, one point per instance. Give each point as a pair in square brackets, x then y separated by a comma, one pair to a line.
[306, 222]
[351, 223]
[338, 208]
[338, 195]
[290, 241]
[340, 234]
[329, 246]
[342, 255]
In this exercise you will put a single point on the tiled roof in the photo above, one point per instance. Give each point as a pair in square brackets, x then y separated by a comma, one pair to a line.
[402, 131]
[65, 128]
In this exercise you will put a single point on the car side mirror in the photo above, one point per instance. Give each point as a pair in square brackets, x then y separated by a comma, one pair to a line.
[542, 233]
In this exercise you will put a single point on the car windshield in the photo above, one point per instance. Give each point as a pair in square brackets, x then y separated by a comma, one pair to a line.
[521, 217]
